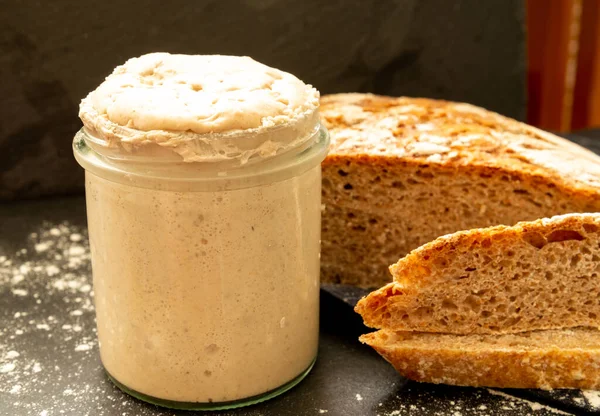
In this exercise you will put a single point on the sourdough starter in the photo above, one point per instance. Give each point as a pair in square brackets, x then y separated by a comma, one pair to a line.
[203, 294]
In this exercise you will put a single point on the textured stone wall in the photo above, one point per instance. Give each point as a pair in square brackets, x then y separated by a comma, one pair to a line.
[52, 53]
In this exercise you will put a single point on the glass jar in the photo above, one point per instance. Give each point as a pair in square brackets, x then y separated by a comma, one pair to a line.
[206, 274]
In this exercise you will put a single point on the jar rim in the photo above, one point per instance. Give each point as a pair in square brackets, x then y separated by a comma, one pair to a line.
[237, 146]
[175, 174]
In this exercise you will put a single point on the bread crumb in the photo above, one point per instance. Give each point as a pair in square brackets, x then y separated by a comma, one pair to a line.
[358, 397]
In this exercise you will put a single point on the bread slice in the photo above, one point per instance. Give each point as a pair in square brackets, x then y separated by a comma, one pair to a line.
[403, 171]
[534, 275]
[567, 358]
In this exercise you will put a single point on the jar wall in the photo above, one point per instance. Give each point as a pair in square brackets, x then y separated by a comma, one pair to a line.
[206, 296]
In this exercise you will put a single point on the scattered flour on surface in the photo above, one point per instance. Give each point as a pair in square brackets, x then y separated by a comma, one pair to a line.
[41, 247]
[76, 251]
[17, 278]
[579, 400]
[592, 397]
[75, 237]
[36, 368]
[20, 292]
[11, 354]
[83, 347]
[52, 270]
[534, 406]
[7, 368]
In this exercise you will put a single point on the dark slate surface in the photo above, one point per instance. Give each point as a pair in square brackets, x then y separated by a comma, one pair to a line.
[53, 53]
[589, 138]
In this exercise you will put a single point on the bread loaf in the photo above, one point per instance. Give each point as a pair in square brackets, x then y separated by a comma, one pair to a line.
[567, 358]
[534, 275]
[403, 171]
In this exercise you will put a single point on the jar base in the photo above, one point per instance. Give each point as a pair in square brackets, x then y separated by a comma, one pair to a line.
[248, 401]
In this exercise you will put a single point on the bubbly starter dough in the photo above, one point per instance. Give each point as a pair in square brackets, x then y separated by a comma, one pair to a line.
[204, 296]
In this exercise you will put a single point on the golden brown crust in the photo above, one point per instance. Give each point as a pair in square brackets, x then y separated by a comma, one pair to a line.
[418, 130]
[370, 307]
[534, 275]
[491, 365]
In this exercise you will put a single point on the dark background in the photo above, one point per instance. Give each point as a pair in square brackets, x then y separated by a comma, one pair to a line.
[52, 53]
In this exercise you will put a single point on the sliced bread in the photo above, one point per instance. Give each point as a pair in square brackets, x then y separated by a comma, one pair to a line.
[534, 275]
[563, 358]
[403, 171]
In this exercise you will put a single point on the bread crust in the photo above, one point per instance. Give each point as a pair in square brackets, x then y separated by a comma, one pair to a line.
[496, 366]
[463, 135]
[466, 136]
